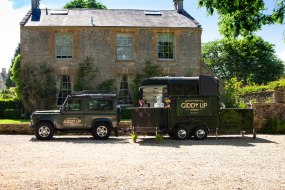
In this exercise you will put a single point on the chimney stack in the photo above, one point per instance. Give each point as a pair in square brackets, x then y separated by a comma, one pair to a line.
[36, 12]
[35, 4]
[4, 71]
[178, 4]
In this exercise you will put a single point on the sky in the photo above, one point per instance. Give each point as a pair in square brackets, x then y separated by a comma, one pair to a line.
[13, 11]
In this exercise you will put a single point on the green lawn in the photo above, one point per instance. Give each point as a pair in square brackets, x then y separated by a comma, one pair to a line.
[14, 121]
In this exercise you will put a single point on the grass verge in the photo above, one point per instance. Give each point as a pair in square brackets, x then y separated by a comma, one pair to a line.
[14, 121]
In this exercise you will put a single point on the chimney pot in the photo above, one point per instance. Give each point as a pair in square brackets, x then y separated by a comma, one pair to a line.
[35, 4]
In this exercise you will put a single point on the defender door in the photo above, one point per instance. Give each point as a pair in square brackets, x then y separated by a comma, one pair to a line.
[72, 114]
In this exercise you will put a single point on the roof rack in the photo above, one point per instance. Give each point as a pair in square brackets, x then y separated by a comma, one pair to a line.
[90, 93]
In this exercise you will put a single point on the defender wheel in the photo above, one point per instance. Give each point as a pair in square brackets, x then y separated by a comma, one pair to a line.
[200, 133]
[44, 131]
[101, 131]
[180, 133]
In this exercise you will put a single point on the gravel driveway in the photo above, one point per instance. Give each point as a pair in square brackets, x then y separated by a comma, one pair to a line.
[79, 162]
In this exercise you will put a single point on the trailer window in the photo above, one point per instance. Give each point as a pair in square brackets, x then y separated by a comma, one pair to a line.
[191, 87]
[184, 87]
[177, 87]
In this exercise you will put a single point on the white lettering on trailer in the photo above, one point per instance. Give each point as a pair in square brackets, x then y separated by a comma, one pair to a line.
[194, 105]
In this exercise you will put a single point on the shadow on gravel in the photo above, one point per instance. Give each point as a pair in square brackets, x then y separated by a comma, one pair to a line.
[83, 140]
[166, 142]
[220, 141]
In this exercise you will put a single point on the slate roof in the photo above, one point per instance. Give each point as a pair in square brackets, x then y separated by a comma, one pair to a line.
[113, 18]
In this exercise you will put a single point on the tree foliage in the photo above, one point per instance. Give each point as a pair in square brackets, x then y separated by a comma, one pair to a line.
[232, 93]
[243, 17]
[15, 70]
[85, 4]
[8, 93]
[86, 75]
[9, 82]
[36, 86]
[251, 60]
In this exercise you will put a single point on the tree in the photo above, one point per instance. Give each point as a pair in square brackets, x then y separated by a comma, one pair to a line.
[15, 70]
[36, 85]
[85, 4]
[9, 82]
[243, 17]
[251, 60]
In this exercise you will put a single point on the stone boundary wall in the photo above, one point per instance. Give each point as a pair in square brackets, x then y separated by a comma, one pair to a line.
[276, 96]
[22, 129]
[260, 97]
[264, 111]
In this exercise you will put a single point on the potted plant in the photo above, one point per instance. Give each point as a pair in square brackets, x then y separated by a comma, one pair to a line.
[134, 136]
[158, 138]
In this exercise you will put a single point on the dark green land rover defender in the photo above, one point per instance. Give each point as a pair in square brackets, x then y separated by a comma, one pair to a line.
[81, 112]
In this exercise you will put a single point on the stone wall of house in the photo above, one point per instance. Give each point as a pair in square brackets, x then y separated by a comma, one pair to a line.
[264, 111]
[38, 44]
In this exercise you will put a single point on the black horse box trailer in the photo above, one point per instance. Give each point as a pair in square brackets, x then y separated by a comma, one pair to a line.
[186, 106]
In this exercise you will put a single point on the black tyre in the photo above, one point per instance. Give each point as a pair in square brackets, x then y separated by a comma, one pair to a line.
[44, 131]
[101, 131]
[200, 133]
[180, 133]
[171, 134]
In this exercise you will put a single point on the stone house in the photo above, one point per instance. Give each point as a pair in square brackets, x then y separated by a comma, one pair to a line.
[118, 41]
[3, 77]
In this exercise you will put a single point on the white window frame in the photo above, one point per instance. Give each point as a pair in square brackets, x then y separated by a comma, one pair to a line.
[124, 88]
[165, 46]
[63, 45]
[125, 46]
[63, 88]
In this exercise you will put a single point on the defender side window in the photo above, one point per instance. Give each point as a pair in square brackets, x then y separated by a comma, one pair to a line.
[100, 105]
[73, 105]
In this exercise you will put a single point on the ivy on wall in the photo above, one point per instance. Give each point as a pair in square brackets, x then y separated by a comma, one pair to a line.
[86, 75]
[150, 70]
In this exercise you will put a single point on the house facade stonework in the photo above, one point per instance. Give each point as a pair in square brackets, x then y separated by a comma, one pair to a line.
[119, 42]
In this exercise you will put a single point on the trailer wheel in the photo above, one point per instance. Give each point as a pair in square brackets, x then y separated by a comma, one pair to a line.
[180, 133]
[171, 134]
[200, 133]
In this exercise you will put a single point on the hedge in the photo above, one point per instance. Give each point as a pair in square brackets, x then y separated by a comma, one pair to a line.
[8, 104]
[12, 113]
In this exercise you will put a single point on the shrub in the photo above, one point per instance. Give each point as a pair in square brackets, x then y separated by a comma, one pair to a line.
[12, 114]
[275, 125]
[36, 86]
